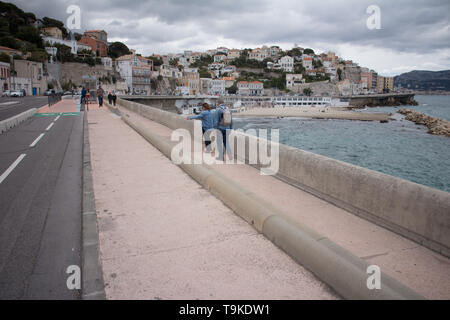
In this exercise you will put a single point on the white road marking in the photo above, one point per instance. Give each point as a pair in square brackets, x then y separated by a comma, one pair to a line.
[57, 118]
[50, 126]
[9, 103]
[11, 167]
[37, 140]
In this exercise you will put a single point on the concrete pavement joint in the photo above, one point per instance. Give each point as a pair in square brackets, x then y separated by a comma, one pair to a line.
[93, 287]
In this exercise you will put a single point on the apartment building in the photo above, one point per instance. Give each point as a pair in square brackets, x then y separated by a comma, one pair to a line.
[287, 63]
[29, 75]
[293, 80]
[97, 40]
[385, 84]
[5, 70]
[217, 87]
[258, 54]
[53, 32]
[136, 71]
[191, 79]
[234, 54]
[307, 62]
[250, 88]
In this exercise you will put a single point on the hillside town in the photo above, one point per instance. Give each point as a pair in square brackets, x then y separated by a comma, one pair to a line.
[49, 57]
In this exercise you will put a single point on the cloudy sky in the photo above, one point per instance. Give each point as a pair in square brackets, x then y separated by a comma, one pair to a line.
[414, 34]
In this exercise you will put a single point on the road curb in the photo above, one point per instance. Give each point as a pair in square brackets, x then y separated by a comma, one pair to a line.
[92, 287]
[346, 273]
[9, 123]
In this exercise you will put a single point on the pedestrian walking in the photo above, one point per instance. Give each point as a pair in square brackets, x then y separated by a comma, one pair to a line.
[100, 93]
[110, 97]
[114, 98]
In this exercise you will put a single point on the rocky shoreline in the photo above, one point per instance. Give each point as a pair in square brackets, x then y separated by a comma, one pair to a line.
[435, 126]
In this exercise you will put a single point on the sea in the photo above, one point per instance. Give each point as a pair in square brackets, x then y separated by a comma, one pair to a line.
[399, 148]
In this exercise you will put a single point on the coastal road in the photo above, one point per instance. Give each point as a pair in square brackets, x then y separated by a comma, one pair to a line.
[40, 205]
[10, 106]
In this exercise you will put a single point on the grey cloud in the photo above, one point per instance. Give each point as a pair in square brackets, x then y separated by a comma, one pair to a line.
[407, 25]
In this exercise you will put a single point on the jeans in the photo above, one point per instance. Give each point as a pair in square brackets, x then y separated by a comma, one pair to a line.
[225, 134]
[100, 101]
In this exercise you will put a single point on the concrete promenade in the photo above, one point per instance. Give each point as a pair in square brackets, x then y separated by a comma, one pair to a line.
[151, 232]
[162, 236]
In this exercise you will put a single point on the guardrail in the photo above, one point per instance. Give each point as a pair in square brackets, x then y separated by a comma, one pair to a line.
[52, 99]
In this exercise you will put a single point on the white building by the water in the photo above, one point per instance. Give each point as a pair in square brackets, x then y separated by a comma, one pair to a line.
[292, 101]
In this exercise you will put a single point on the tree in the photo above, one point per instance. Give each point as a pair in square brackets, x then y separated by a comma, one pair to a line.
[30, 34]
[317, 64]
[117, 49]
[339, 72]
[156, 61]
[64, 53]
[204, 73]
[233, 88]
[308, 51]
[38, 56]
[173, 62]
[77, 36]
[4, 57]
[307, 92]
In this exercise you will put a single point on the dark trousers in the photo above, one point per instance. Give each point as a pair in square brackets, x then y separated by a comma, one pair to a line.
[100, 101]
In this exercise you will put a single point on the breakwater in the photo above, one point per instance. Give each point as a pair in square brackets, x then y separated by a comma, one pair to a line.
[376, 100]
[435, 126]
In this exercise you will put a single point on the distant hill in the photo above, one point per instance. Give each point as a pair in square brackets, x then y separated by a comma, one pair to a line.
[424, 80]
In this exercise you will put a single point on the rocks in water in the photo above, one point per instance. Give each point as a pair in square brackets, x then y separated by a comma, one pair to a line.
[435, 125]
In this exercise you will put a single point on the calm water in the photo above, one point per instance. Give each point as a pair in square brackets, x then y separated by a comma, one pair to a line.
[398, 148]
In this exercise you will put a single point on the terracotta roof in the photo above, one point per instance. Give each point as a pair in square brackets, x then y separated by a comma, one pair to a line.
[125, 57]
[256, 82]
[8, 49]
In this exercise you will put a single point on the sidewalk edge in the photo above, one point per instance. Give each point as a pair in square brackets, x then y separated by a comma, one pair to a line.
[93, 287]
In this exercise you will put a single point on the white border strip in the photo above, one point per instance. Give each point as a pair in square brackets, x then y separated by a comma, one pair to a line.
[37, 140]
[11, 167]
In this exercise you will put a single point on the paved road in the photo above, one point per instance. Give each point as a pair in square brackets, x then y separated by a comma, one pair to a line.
[40, 207]
[10, 107]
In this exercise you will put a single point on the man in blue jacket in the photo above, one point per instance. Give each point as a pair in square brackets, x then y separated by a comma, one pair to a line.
[223, 126]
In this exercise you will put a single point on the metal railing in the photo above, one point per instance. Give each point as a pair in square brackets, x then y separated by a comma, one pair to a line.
[53, 98]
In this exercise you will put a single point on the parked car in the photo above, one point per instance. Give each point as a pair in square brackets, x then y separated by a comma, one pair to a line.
[48, 93]
[17, 93]
[6, 93]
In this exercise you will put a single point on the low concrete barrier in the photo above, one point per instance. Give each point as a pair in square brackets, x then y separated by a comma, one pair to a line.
[344, 272]
[414, 211]
[417, 212]
[7, 124]
[168, 119]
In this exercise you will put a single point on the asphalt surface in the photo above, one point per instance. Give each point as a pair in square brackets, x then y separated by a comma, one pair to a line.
[40, 206]
[10, 107]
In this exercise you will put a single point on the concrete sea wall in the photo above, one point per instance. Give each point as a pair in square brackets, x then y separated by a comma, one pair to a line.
[417, 212]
